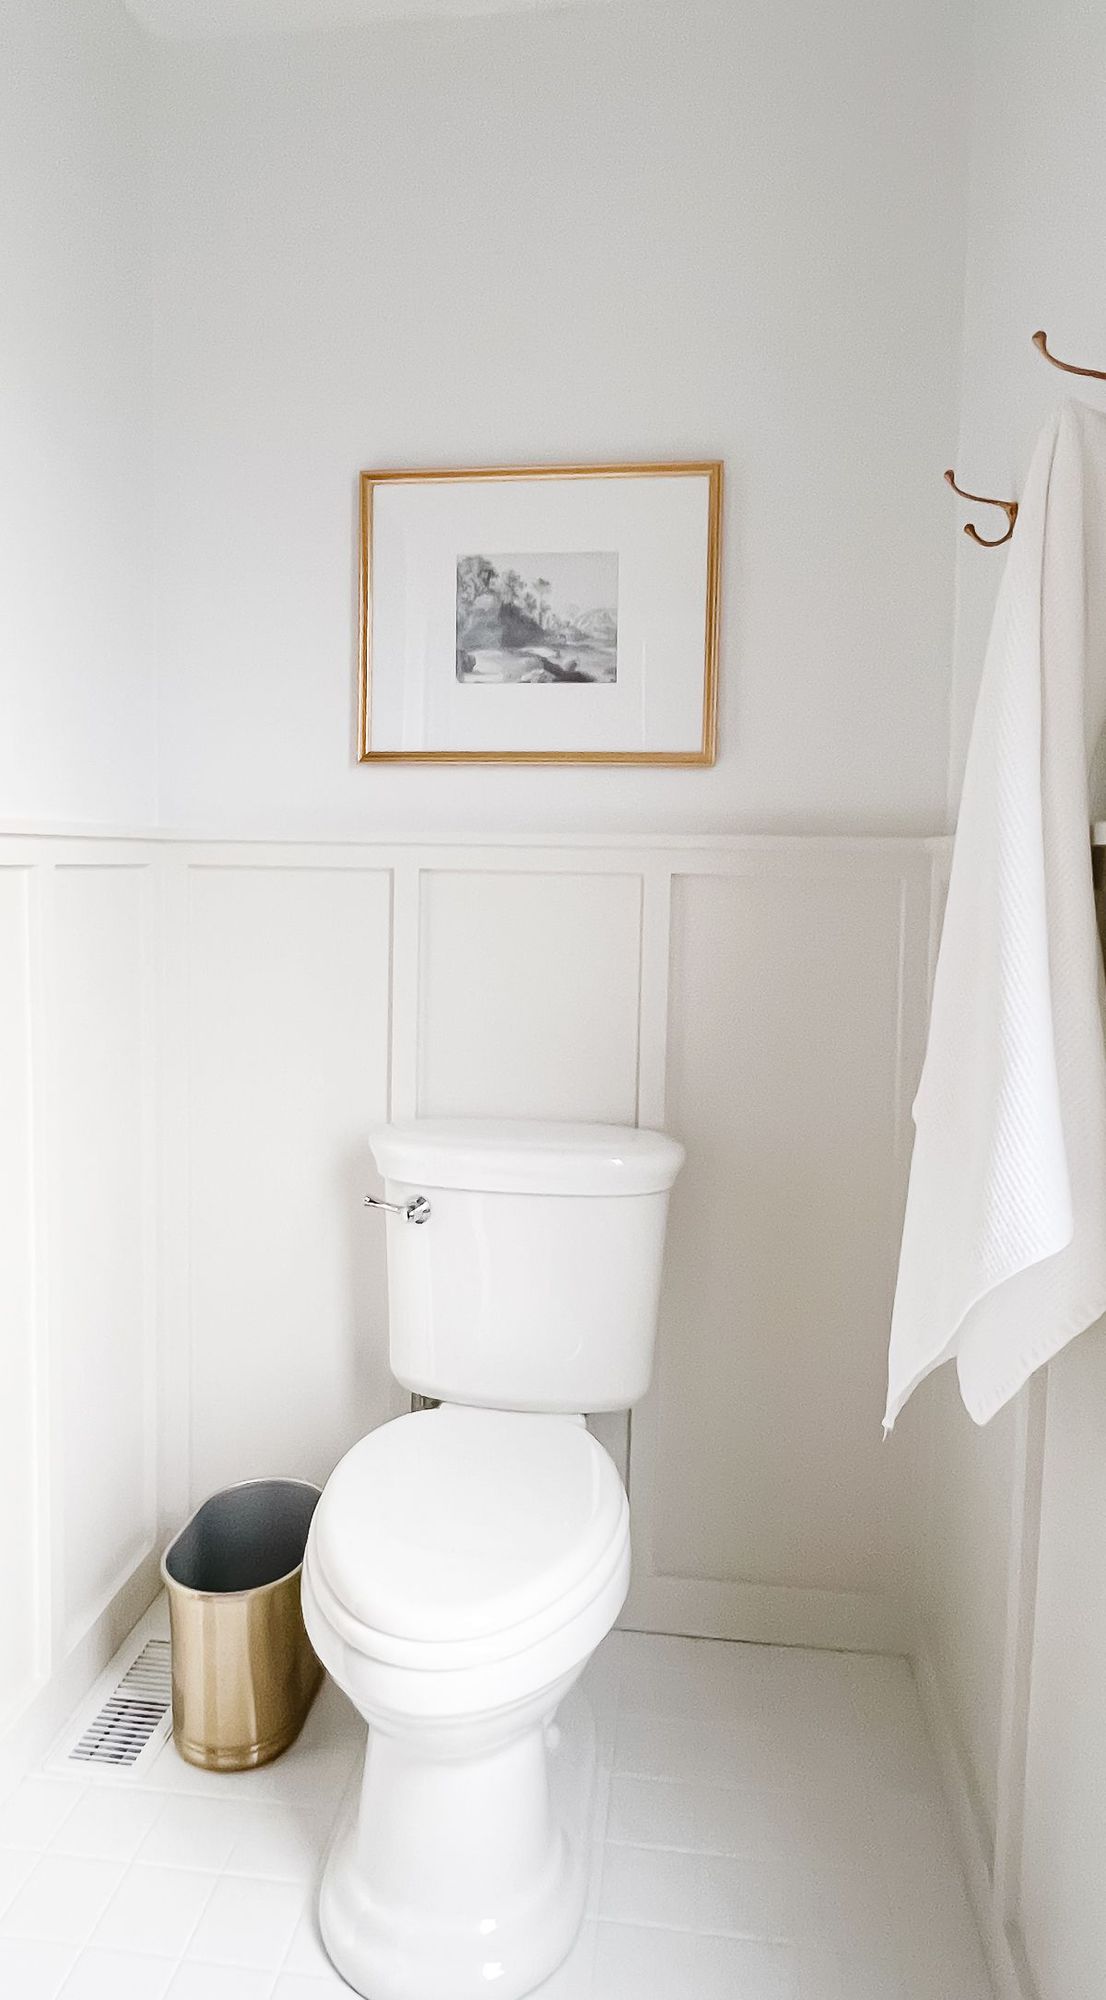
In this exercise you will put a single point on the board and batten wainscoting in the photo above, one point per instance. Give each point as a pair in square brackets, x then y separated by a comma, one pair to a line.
[80, 1086]
[1007, 1591]
[198, 1037]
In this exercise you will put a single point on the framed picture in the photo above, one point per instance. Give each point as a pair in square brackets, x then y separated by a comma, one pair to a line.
[540, 615]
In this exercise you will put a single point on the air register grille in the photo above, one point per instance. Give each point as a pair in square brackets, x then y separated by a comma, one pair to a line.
[133, 1713]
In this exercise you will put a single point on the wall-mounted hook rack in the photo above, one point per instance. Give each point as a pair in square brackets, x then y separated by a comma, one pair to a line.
[1009, 508]
[1040, 342]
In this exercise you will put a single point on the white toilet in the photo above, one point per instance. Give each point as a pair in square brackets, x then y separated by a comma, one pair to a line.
[464, 1562]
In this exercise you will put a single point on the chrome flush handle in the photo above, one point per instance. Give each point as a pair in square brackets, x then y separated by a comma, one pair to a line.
[416, 1210]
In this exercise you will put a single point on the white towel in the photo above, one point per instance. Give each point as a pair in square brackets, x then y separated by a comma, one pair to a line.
[1004, 1245]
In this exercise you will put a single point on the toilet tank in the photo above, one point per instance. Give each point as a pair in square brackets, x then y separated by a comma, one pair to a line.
[533, 1282]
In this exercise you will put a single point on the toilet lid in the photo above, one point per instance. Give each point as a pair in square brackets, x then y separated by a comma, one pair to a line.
[461, 1523]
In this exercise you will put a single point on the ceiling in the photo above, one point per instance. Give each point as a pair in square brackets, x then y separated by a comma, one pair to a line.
[184, 19]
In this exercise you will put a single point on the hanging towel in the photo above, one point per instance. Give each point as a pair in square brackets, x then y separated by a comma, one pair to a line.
[1004, 1245]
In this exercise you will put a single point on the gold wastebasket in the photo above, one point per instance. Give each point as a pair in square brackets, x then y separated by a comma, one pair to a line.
[244, 1674]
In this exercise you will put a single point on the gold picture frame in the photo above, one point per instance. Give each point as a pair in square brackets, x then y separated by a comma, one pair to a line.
[710, 470]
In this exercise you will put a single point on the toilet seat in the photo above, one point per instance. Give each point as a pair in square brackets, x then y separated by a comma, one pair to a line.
[460, 1537]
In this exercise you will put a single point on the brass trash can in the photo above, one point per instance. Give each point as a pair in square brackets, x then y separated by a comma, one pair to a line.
[244, 1674]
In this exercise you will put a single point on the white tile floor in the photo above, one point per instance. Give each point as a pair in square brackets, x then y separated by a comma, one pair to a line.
[768, 1828]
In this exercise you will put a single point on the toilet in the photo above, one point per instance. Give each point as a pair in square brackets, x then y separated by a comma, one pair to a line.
[465, 1561]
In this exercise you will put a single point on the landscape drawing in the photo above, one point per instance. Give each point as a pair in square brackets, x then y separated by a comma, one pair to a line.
[537, 618]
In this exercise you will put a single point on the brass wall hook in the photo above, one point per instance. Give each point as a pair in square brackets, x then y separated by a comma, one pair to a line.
[1009, 508]
[1040, 342]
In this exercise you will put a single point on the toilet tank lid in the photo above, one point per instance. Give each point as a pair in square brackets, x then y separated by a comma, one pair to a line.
[522, 1156]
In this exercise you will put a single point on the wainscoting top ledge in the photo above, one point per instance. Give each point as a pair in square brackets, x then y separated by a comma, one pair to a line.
[732, 842]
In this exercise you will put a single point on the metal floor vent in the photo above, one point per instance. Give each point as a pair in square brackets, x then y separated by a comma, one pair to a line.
[134, 1713]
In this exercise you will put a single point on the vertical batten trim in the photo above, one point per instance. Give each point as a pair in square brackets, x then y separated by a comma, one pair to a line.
[1001, 1944]
[44, 1126]
[900, 1116]
[72, 1632]
[149, 1128]
[652, 1095]
[911, 1011]
[406, 998]
[655, 936]
[43, 1514]
[175, 1334]
[1027, 1488]
[655, 887]
[939, 869]
[404, 1012]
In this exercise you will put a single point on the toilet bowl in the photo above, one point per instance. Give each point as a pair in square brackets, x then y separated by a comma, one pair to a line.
[462, 1567]
[464, 1562]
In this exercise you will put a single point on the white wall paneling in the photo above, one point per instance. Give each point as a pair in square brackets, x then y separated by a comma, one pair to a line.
[529, 985]
[1059, 1883]
[793, 977]
[209, 1031]
[78, 929]
[1011, 1651]
[24, 1637]
[976, 1525]
[1006, 1558]
[287, 1051]
[101, 1148]
[302, 993]
[533, 980]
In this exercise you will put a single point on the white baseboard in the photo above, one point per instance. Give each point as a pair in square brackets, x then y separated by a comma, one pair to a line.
[26, 1742]
[1002, 1942]
[766, 1614]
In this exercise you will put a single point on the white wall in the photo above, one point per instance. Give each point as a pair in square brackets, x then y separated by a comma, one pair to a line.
[361, 243]
[78, 1429]
[635, 231]
[285, 1045]
[1013, 1619]
[76, 658]
[763, 1497]
[631, 231]
[1037, 196]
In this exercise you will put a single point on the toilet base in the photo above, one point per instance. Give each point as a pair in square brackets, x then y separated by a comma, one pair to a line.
[398, 1954]
[457, 1877]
